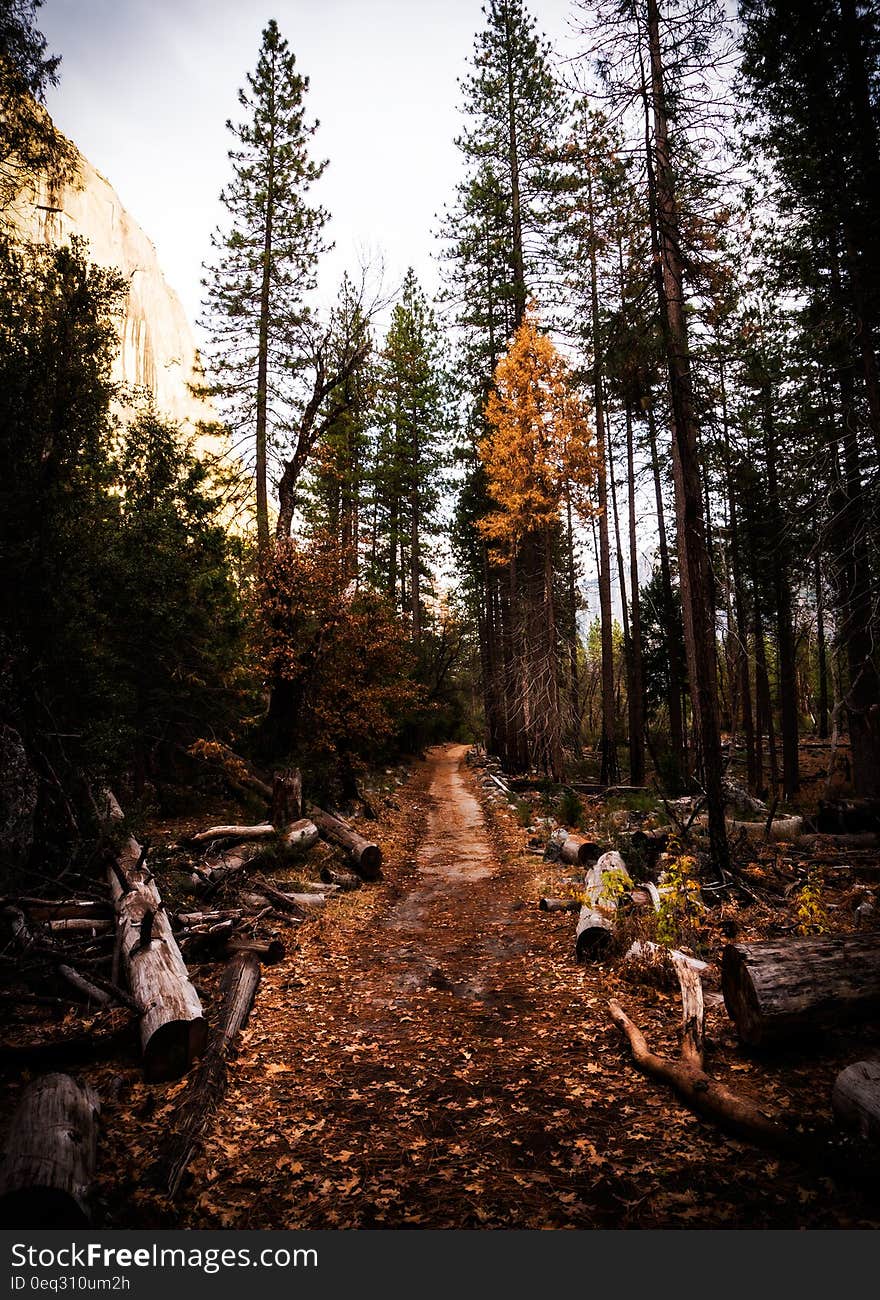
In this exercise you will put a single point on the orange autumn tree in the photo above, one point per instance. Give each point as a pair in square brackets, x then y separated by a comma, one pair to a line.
[539, 456]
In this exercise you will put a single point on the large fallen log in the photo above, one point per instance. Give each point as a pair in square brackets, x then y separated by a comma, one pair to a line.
[47, 909]
[604, 884]
[50, 1156]
[173, 1028]
[578, 851]
[240, 982]
[364, 856]
[779, 988]
[856, 1098]
[341, 879]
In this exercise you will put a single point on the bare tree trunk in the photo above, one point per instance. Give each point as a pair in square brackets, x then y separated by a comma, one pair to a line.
[609, 767]
[696, 578]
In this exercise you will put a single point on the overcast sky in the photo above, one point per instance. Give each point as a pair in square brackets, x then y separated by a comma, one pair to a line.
[147, 86]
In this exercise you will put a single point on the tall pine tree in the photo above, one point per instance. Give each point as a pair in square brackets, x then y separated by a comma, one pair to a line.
[265, 260]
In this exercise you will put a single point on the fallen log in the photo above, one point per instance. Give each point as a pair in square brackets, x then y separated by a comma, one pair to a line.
[578, 851]
[296, 903]
[294, 840]
[341, 879]
[45, 909]
[173, 1028]
[238, 834]
[855, 1099]
[50, 1156]
[559, 905]
[603, 886]
[79, 925]
[703, 1094]
[239, 985]
[364, 856]
[270, 952]
[779, 988]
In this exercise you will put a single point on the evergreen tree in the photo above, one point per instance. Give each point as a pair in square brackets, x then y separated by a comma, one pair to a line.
[30, 145]
[412, 419]
[265, 261]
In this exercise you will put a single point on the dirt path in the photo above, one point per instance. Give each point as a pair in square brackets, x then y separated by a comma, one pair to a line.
[433, 1057]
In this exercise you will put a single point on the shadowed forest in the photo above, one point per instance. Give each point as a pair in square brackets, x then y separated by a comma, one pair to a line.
[440, 720]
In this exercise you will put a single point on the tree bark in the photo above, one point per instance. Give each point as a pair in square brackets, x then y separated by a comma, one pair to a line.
[173, 1028]
[364, 856]
[605, 883]
[856, 1098]
[50, 1156]
[774, 990]
[696, 578]
[240, 982]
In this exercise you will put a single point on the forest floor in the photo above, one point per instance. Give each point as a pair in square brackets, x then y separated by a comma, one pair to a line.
[432, 1056]
[429, 1054]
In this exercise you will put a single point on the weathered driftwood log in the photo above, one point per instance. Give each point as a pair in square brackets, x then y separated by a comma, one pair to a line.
[856, 1098]
[286, 805]
[559, 905]
[234, 834]
[604, 884]
[296, 903]
[578, 851]
[79, 925]
[240, 982]
[341, 879]
[48, 910]
[778, 988]
[699, 1090]
[364, 856]
[173, 1028]
[50, 1156]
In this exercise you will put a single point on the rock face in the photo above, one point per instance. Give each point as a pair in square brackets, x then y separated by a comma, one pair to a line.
[157, 352]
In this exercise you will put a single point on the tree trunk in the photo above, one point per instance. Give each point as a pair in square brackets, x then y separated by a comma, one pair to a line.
[240, 982]
[286, 805]
[173, 1028]
[780, 988]
[609, 768]
[364, 856]
[50, 1156]
[696, 578]
[673, 646]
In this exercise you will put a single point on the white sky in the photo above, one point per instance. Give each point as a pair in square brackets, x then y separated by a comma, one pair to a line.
[147, 86]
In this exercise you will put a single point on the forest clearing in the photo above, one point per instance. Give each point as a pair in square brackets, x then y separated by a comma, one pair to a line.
[440, 692]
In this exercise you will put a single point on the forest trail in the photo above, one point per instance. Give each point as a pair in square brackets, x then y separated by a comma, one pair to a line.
[432, 1056]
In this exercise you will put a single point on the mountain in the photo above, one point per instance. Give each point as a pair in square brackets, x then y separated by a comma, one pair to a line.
[157, 348]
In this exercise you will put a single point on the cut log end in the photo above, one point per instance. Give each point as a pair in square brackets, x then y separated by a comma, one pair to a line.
[171, 1050]
[50, 1156]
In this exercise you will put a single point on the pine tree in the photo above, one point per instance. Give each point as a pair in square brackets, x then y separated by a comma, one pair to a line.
[412, 418]
[30, 146]
[265, 261]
